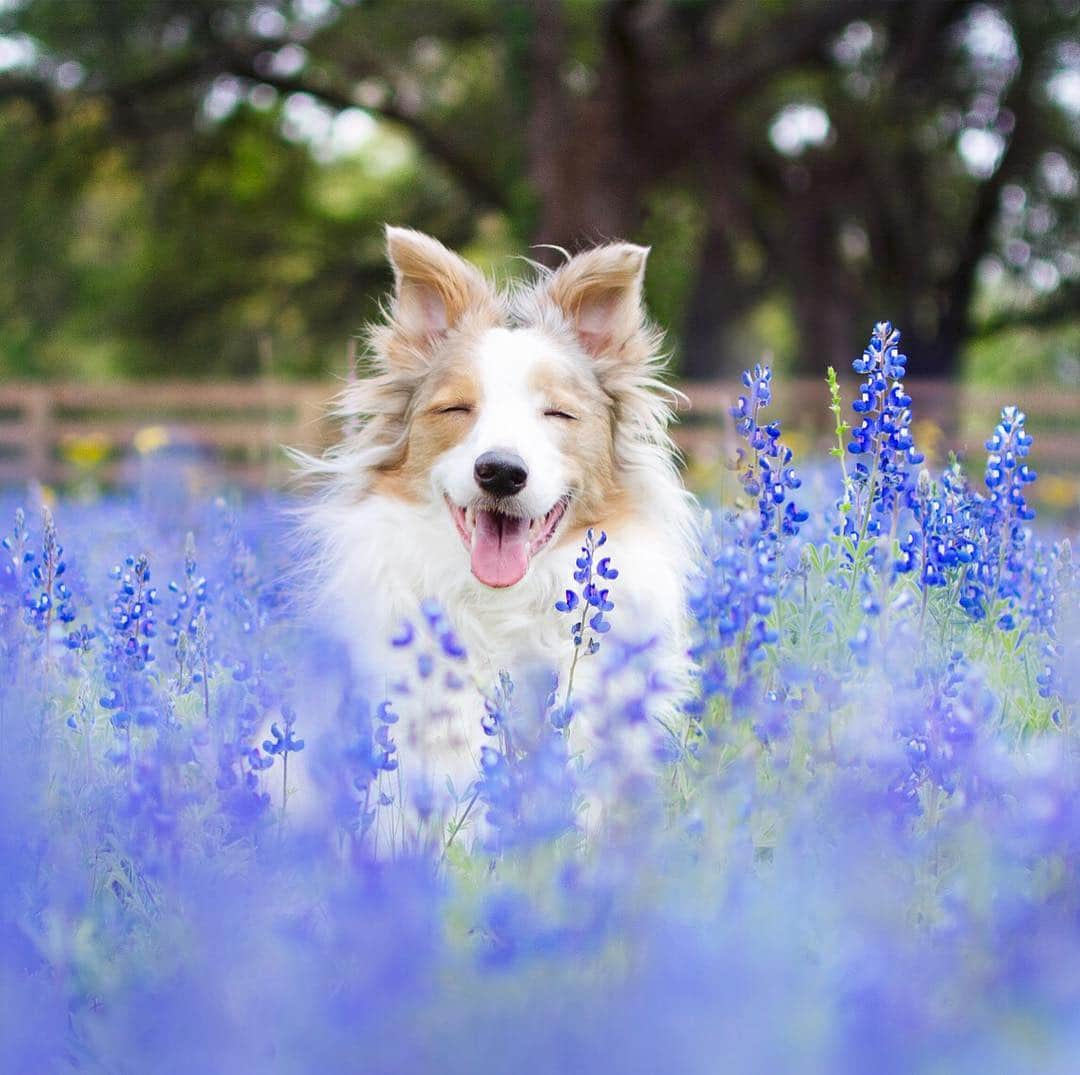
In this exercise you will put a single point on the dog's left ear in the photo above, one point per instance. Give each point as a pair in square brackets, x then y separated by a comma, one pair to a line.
[599, 292]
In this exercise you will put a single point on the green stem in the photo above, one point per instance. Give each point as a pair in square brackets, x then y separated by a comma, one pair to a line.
[868, 507]
[458, 824]
[1005, 535]
[206, 687]
[857, 562]
[284, 782]
[573, 665]
[922, 611]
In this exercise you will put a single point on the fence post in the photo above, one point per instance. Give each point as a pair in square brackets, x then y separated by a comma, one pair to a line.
[311, 421]
[38, 414]
[270, 430]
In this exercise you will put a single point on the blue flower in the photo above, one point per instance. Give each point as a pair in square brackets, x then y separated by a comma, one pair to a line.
[572, 601]
[405, 635]
[589, 606]
[48, 599]
[283, 741]
[765, 471]
[884, 479]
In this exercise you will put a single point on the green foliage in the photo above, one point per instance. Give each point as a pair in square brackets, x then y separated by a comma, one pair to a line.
[1022, 356]
[839, 451]
[170, 215]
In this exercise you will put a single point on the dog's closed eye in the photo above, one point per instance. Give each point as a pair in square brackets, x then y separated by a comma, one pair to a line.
[553, 413]
[454, 408]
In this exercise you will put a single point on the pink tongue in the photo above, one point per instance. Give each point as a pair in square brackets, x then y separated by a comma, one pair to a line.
[500, 554]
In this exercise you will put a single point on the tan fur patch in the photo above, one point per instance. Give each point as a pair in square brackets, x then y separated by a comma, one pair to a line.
[587, 443]
[429, 431]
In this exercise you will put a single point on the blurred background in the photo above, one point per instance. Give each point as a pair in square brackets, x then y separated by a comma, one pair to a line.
[195, 190]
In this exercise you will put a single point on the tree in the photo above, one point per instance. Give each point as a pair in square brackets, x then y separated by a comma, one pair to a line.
[829, 163]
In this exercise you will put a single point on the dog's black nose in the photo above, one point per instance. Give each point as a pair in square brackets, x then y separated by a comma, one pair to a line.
[501, 473]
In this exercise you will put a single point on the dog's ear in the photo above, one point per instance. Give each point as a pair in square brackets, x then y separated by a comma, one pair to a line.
[433, 287]
[599, 292]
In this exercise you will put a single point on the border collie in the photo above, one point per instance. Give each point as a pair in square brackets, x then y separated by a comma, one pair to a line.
[497, 427]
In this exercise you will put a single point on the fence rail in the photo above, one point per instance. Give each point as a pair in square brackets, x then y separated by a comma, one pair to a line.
[947, 416]
[60, 432]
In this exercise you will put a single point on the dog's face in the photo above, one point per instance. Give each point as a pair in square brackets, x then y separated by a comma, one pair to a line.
[508, 425]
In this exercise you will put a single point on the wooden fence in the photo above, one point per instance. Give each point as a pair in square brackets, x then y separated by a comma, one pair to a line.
[58, 433]
[61, 432]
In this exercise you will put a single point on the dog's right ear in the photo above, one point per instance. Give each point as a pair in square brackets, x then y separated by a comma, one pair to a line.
[433, 287]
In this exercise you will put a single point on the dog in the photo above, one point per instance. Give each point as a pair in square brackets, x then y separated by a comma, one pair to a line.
[498, 427]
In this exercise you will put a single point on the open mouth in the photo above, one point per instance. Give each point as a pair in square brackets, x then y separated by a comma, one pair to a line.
[501, 545]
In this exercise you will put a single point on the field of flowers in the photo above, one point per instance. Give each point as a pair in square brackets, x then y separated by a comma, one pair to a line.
[858, 850]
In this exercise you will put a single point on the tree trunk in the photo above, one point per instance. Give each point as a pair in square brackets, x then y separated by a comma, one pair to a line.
[584, 165]
[713, 309]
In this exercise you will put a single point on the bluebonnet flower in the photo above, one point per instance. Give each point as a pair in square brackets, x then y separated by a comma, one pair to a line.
[15, 577]
[629, 710]
[1053, 587]
[439, 626]
[156, 795]
[1008, 512]
[283, 742]
[592, 595]
[361, 786]
[439, 652]
[192, 595]
[765, 472]
[946, 541]
[132, 615]
[17, 544]
[910, 834]
[405, 635]
[258, 762]
[1006, 475]
[588, 606]
[941, 732]
[497, 705]
[131, 693]
[49, 600]
[731, 600]
[525, 783]
[81, 640]
[981, 543]
[773, 723]
[987, 538]
[882, 442]
[242, 605]
[735, 593]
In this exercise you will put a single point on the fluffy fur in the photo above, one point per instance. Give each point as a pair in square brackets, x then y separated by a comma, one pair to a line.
[563, 371]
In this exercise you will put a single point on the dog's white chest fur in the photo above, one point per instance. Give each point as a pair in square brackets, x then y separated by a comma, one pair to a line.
[394, 557]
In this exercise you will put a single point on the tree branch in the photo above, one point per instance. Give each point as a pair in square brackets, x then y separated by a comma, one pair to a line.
[225, 59]
[960, 284]
[548, 118]
[33, 90]
[481, 187]
[698, 95]
[1059, 308]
